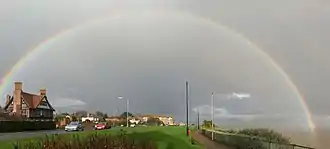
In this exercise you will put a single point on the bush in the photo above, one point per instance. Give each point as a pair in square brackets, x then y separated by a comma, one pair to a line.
[17, 126]
[266, 134]
[92, 141]
[251, 138]
[11, 126]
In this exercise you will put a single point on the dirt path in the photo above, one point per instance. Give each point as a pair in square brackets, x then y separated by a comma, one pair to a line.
[208, 143]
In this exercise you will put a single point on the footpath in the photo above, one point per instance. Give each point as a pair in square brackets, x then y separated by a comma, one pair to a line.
[206, 142]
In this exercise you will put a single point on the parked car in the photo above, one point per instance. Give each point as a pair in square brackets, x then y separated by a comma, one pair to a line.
[74, 126]
[102, 125]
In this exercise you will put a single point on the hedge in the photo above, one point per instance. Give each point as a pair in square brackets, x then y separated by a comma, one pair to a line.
[17, 126]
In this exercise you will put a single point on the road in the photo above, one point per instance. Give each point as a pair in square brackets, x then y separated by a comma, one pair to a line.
[27, 134]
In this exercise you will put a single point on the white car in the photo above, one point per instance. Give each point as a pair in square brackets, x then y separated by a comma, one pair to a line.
[74, 126]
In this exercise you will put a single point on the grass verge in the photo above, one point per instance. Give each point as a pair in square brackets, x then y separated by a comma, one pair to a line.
[164, 137]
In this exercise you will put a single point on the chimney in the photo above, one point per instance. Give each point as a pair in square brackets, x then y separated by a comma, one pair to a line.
[43, 91]
[18, 85]
[17, 97]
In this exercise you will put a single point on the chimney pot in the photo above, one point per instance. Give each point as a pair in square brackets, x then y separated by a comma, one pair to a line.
[18, 85]
[43, 91]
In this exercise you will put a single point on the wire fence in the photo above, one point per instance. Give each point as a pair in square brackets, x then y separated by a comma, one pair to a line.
[239, 141]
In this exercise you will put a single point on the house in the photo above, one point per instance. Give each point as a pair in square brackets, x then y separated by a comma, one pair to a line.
[182, 124]
[112, 119]
[63, 121]
[134, 121]
[90, 118]
[27, 105]
[167, 120]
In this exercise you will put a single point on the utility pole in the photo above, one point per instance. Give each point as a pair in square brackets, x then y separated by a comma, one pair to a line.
[127, 110]
[198, 118]
[212, 115]
[187, 110]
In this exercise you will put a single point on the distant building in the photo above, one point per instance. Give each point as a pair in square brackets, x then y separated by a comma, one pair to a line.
[134, 121]
[90, 118]
[112, 119]
[182, 124]
[30, 106]
[167, 120]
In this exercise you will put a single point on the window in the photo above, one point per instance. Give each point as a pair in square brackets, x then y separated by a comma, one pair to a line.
[43, 103]
[23, 112]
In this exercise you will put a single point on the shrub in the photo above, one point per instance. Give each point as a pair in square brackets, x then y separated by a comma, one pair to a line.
[251, 138]
[266, 134]
[92, 141]
[11, 126]
[16, 126]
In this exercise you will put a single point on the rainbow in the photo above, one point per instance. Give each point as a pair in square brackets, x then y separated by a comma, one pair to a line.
[7, 79]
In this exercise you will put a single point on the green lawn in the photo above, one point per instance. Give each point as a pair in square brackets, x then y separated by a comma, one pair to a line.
[165, 137]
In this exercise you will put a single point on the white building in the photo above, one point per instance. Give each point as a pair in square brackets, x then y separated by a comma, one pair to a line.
[167, 120]
[134, 121]
[90, 118]
[182, 124]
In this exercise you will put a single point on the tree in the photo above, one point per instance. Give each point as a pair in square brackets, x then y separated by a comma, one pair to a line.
[59, 118]
[154, 121]
[105, 115]
[124, 114]
[81, 113]
[207, 123]
[74, 118]
[99, 114]
[64, 113]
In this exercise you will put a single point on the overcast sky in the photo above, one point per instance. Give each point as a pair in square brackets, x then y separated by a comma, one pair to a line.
[146, 50]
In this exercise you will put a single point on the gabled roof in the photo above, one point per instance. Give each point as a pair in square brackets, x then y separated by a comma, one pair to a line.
[7, 104]
[32, 100]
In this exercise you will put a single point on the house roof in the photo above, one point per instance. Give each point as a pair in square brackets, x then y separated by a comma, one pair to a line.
[32, 100]
[154, 115]
[113, 117]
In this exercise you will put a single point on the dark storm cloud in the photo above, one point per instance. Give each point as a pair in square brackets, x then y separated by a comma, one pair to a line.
[148, 61]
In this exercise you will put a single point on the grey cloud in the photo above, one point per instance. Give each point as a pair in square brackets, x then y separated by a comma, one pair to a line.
[67, 102]
[222, 113]
[148, 58]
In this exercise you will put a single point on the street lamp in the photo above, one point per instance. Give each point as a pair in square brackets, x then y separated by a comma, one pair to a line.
[187, 109]
[229, 96]
[198, 118]
[212, 114]
[127, 108]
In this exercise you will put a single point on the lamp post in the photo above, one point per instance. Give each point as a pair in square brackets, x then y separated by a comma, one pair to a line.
[198, 118]
[212, 114]
[127, 108]
[187, 110]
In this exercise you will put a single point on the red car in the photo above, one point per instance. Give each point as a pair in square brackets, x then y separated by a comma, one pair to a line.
[101, 126]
